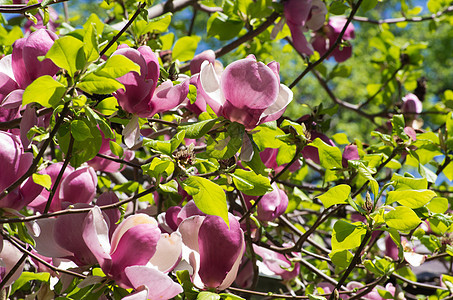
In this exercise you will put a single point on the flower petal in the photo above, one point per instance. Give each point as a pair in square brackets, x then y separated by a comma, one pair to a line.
[168, 252]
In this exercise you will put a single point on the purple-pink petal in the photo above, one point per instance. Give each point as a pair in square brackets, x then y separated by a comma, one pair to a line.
[220, 247]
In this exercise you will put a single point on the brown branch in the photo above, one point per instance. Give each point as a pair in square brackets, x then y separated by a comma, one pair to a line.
[129, 23]
[119, 160]
[331, 49]
[403, 19]
[78, 210]
[22, 8]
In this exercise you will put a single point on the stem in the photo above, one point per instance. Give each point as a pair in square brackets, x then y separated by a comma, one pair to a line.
[354, 261]
[119, 160]
[399, 20]
[60, 174]
[22, 8]
[331, 49]
[128, 24]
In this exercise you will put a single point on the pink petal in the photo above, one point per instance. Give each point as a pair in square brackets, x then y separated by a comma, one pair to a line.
[9, 256]
[168, 252]
[113, 214]
[167, 96]
[276, 110]
[220, 247]
[272, 205]
[208, 87]
[135, 247]
[195, 63]
[249, 84]
[159, 285]
[79, 186]
[37, 44]
[297, 11]
[299, 41]
[46, 243]
[189, 231]
[96, 236]
[350, 153]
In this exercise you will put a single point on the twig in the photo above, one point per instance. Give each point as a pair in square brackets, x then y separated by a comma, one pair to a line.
[331, 49]
[192, 21]
[60, 174]
[22, 8]
[403, 19]
[78, 210]
[383, 86]
[418, 284]
[129, 23]
[119, 160]
[49, 265]
[354, 261]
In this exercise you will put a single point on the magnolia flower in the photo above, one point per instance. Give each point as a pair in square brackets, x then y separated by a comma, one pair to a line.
[350, 152]
[214, 249]
[141, 96]
[9, 257]
[197, 61]
[277, 263]
[247, 91]
[412, 106]
[14, 164]
[327, 36]
[76, 186]
[302, 15]
[272, 205]
[25, 64]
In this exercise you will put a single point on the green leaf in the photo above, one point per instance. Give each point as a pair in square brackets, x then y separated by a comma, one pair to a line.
[438, 205]
[158, 166]
[208, 296]
[26, 277]
[402, 218]
[367, 174]
[264, 136]
[198, 129]
[251, 183]
[108, 106]
[117, 66]
[94, 84]
[91, 46]
[229, 296]
[398, 125]
[227, 144]
[159, 24]
[45, 91]
[67, 53]
[341, 138]
[410, 198]
[208, 196]
[329, 156]
[185, 48]
[341, 258]
[116, 149]
[43, 180]
[80, 130]
[409, 183]
[337, 195]
[223, 28]
[346, 235]
[166, 147]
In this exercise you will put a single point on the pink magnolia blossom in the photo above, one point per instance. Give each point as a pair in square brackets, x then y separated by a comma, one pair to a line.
[277, 263]
[14, 164]
[350, 152]
[76, 186]
[215, 251]
[411, 105]
[197, 61]
[141, 95]
[9, 257]
[247, 91]
[272, 205]
[25, 64]
[327, 36]
[302, 15]
[153, 253]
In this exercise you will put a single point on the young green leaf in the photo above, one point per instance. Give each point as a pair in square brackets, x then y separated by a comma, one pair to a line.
[45, 91]
[337, 195]
[251, 183]
[67, 53]
[402, 218]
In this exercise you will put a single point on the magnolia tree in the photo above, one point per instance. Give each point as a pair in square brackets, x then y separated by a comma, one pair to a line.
[302, 154]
